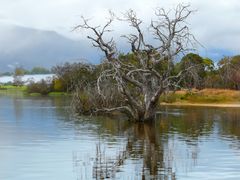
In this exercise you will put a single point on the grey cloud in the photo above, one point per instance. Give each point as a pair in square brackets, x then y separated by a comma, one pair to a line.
[214, 24]
[31, 47]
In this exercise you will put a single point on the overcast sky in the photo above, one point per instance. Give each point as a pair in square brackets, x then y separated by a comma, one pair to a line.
[215, 24]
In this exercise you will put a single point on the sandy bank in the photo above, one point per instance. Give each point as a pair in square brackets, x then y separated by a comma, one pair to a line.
[204, 104]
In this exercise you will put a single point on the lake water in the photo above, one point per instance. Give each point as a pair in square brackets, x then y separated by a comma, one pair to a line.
[40, 140]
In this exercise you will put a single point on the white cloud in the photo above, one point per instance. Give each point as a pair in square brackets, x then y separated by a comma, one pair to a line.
[215, 24]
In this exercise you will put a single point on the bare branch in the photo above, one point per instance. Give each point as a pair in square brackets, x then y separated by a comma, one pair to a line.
[108, 47]
[143, 74]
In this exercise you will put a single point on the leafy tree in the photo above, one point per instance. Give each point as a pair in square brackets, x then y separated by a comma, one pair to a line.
[195, 76]
[69, 76]
[229, 71]
[6, 74]
[17, 76]
[208, 64]
[39, 70]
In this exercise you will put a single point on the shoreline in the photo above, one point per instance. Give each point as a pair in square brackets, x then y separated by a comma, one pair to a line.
[237, 105]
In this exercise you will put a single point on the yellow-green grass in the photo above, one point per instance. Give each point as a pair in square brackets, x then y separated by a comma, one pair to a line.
[11, 87]
[9, 90]
[49, 94]
[58, 94]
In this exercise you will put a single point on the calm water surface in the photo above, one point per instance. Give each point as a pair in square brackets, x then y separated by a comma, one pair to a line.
[40, 140]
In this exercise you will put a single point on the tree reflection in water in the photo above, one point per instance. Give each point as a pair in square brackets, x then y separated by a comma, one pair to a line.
[229, 127]
[148, 142]
[142, 143]
[162, 149]
[185, 142]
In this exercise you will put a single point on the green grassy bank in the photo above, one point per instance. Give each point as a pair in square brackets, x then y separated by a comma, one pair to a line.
[22, 90]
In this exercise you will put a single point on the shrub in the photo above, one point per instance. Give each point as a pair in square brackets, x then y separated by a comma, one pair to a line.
[41, 87]
[89, 101]
[58, 85]
[72, 76]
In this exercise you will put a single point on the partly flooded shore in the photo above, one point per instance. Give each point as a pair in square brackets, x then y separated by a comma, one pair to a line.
[233, 105]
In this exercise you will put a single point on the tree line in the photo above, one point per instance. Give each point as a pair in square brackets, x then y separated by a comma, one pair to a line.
[204, 73]
[224, 74]
[20, 71]
[81, 80]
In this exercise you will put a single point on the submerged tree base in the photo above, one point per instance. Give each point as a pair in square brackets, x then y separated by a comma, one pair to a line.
[133, 82]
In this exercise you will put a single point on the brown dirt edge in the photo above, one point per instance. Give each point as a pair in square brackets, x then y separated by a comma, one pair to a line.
[204, 104]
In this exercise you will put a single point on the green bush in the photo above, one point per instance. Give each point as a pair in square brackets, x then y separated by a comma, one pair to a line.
[58, 85]
[41, 87]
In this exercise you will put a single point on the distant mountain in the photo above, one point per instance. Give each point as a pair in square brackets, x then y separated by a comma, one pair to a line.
[31, 47]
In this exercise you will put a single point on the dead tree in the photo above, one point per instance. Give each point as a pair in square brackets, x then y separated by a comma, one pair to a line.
[149, 73]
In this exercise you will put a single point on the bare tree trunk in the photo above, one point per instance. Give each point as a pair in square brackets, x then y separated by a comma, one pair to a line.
[146, 71]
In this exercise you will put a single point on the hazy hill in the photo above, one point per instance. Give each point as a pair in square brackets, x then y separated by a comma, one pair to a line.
[31, 47]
